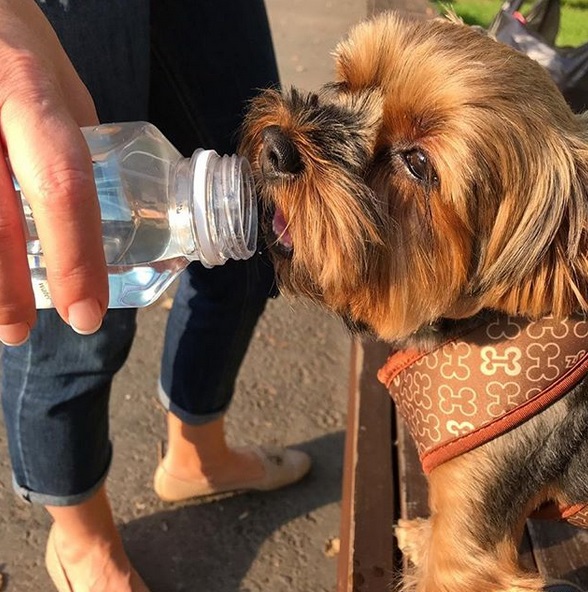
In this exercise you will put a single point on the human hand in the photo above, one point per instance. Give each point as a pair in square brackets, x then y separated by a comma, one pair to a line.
[43, 104]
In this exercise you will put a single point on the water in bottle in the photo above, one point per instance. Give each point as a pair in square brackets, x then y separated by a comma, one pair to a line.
[159, 212]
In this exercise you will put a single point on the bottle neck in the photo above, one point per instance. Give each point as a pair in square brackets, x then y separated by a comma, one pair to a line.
[180, 210]
[215, 208]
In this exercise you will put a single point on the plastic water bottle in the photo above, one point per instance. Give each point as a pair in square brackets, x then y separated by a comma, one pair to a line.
[159, 212]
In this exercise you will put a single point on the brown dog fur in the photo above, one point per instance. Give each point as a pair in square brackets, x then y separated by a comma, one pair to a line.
[439, 175]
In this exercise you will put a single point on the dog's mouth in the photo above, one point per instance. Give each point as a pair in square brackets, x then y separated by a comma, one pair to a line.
[279, 237]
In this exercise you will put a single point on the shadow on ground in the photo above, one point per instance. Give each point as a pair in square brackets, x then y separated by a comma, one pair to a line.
[211, 546]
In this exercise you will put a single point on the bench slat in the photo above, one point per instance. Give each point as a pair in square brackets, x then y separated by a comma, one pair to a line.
[560, 550]
[368, 507]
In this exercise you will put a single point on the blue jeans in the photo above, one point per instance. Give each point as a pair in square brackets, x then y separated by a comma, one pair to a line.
[189, 67]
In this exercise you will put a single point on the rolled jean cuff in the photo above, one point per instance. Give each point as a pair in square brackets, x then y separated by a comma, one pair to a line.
[182, 414]
[46, 499]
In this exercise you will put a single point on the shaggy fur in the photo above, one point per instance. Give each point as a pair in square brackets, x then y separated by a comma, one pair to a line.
[441, 174]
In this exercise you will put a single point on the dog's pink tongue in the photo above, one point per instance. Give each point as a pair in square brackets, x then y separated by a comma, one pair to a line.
[280, 228]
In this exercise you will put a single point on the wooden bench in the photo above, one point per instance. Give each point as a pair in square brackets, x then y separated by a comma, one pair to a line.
[383, 479]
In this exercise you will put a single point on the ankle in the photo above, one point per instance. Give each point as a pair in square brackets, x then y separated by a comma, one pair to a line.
[196, 448]
[193, 466]
[76, 549]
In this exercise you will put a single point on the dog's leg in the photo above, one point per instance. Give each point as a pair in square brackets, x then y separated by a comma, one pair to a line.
[411, 537]
[465, 545]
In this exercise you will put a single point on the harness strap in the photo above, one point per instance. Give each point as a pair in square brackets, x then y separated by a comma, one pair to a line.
[484, 382]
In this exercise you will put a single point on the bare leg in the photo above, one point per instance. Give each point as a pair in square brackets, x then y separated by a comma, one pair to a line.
[202, 452]
[90, 549]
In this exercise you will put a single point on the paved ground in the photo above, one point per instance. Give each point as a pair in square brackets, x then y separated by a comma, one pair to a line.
[292, 389]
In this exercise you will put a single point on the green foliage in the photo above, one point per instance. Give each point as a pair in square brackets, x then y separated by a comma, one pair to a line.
[574, 16]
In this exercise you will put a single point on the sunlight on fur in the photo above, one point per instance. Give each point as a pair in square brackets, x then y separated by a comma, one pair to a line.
[439, 178]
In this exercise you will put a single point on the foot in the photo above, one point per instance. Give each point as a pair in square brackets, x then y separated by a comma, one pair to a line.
[411, 537]
[242, 469]
[86, 567]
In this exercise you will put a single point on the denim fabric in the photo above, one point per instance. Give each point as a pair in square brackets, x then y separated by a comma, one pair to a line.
[108, 43]
[189, 67]
[208, 330]
[55, 397]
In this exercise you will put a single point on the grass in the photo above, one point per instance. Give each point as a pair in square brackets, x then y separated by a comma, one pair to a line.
[573, 25]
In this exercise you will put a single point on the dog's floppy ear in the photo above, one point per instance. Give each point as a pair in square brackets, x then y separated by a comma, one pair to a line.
[578, 199]
[536, 257]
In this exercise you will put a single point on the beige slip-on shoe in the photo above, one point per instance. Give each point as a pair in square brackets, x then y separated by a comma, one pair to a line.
[282, 466]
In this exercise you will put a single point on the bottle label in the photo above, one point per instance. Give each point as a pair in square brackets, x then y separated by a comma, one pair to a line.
[41, 292]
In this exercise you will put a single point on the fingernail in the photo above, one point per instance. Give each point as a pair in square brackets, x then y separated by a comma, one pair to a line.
[85, 316]
[14, 335]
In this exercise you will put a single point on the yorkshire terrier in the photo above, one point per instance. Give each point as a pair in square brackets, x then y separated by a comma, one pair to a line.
[435, 195]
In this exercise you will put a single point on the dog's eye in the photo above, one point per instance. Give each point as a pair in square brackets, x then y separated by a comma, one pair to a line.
[419, 166]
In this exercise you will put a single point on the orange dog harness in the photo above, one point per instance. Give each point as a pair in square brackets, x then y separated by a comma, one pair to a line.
[484, 382]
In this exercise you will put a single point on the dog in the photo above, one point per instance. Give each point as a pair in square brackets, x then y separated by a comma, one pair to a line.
[434, 195]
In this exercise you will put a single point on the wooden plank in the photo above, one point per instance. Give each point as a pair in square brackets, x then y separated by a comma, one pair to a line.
[560, 550]
[347, 528]
[366, 562]
[413, 490]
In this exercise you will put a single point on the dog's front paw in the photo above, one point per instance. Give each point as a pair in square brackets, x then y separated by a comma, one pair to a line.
[412, 536]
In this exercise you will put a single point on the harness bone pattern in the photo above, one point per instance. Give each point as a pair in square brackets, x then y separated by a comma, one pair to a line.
[480, 384]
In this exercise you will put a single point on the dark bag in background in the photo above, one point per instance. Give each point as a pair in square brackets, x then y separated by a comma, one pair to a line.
[534, 35]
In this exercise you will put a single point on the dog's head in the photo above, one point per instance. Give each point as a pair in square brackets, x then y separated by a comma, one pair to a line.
[440, 173]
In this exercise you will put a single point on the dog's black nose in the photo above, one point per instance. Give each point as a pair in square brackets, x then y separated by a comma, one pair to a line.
[279, 156]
